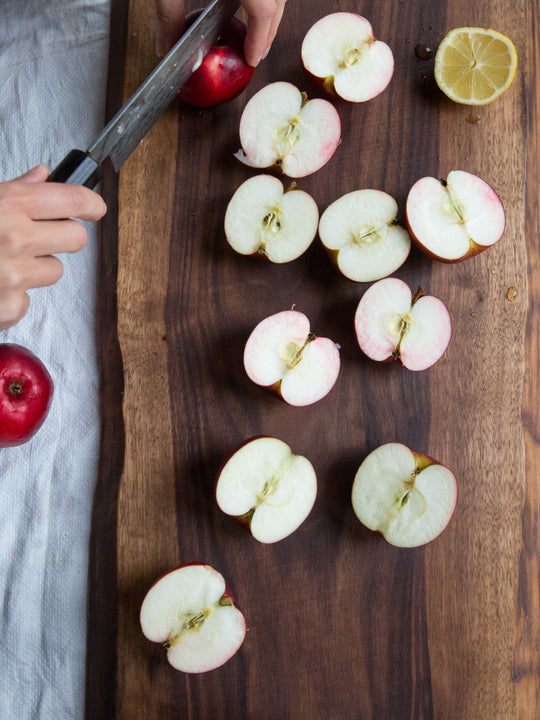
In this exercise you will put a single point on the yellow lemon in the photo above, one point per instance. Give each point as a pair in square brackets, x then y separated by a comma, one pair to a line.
[473, 66]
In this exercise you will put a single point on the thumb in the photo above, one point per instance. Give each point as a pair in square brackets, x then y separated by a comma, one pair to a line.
[36, 174]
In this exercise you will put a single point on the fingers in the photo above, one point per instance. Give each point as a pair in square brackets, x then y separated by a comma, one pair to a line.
[36, 174]
[14, 300]
[170, 24]
[264, 17]
[51, 201]
[13, 307]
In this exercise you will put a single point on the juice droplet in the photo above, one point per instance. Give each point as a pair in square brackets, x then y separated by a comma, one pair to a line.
[511, 294]
[423, 52]
[473, 118]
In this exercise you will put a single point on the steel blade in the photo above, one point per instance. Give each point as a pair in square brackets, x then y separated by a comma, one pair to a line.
[134, 119]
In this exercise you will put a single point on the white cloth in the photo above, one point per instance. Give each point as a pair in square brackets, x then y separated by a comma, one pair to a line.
[53, 65]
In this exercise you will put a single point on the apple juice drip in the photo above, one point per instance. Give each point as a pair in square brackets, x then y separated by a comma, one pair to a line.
[291, 353]
[403, 323]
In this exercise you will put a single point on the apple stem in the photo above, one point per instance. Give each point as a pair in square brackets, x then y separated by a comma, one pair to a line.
[292, 354]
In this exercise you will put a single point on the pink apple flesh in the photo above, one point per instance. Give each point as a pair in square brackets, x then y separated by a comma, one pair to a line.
[340, 50]
[362, 235]
[405, 496]
[392, 323]
[190, 612]
[268, 488]
[454, 219]
[282, 354]
[280, 129]
[263, 219]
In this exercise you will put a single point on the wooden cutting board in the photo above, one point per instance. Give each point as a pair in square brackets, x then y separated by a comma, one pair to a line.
[341, 624]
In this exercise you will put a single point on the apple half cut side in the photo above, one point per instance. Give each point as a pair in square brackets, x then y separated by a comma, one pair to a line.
[191, 612]
[406, 496]
[284, 356]
[281, 129]
[362, 235]
[392, 323]
[340, 52]
[223, 72]
[456, 218]
[267, 488]
[264, 219]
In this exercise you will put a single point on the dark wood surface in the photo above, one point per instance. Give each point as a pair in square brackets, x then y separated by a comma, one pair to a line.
[341, 624]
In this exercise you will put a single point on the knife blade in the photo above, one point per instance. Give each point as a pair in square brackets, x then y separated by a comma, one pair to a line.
[134, 119]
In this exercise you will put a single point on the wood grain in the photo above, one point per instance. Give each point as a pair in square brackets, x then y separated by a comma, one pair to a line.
[341, 625]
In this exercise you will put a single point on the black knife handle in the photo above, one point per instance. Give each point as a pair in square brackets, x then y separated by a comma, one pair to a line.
[77, 168]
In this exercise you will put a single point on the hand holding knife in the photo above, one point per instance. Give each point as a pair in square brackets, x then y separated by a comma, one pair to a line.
[132, 122]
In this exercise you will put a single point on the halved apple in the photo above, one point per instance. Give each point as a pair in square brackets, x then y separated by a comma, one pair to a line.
[264, 219]
[393, 324]
[362, 235]
[456, 218]
[404, 495]
[280, 128]
[283, 355]
[341, 52]
[191, 612]
[267, 488]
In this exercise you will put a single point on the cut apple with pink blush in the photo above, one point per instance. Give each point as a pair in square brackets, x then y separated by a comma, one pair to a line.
[280, 128]
[282, 354]
[264, 219]
[267, 488]
[456, 218]
[362, 235]
[191, 612]
[341, 53]
[406, 496]
[392, 323]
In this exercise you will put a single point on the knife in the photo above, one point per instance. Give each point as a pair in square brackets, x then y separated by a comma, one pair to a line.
[134, 119]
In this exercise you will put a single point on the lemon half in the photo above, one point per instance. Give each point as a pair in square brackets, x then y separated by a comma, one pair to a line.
[473, 66]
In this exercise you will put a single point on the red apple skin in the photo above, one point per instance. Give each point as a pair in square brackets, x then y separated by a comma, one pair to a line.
[474, 249]
[223, 73]
[26, 391]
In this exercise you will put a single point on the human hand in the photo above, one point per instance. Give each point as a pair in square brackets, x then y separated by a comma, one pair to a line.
[263, 21]
[33, 228]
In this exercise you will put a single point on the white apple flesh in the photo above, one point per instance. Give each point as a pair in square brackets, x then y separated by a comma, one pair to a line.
[192, 614]
[263, 219]
[267, 488]
[362, 235]
[280, 128]
[405, 496]
[392, 323]
[284, 356]
[456, 218]
[341, 51]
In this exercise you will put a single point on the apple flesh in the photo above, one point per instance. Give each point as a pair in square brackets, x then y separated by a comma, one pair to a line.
[26, 392]
[340, 52]
[456, 218]
[393, 324]
[404, 495]
[362, 235]
[267, 488]
[281, 129]
[191, 612]
[264, 219]
[223, 72]
[283, 355]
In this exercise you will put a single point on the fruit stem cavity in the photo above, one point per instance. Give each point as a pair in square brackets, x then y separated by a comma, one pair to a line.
[291, 353]
[193, 621]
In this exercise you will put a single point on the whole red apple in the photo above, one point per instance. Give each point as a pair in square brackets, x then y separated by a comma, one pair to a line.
[26, 391]
[223, 73]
